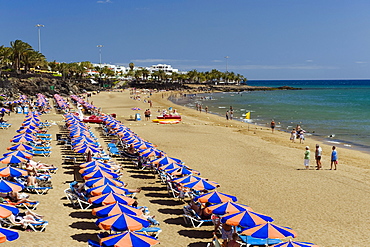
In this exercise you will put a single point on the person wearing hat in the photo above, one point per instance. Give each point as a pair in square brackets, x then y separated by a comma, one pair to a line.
[318, 153]
[307, 157]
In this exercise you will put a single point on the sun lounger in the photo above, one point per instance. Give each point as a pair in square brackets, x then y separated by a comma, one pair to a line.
[41, 153]
[215, 242]
[38, 190]
[27, 205]
[5, 125]
[37, 227]
[151, 231]
[43, 135]
[251, 241]
[92, 243]
[76, 200]
[191, 217]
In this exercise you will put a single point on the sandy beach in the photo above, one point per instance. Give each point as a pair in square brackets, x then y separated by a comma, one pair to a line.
[264, 171]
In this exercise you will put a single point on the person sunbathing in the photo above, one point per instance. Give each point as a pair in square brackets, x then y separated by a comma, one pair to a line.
[131, 150]
[26, 218]
[16, 198]
[31, 180]
[39, 165]
[79, 190]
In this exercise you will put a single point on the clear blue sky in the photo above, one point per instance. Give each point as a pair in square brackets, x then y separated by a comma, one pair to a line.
[264, 39]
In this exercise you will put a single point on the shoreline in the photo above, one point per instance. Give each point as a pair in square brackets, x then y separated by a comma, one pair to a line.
[219, 120]
[349, 145]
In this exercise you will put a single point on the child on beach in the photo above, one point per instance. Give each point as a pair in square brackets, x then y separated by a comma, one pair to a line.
[307, 157]
[293, 135]
[334, 158]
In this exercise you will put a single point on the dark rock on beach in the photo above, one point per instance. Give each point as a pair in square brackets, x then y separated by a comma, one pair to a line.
[31, 84]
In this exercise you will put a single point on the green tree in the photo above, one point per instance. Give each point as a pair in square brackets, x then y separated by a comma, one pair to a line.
[132, 66]
[19, 50]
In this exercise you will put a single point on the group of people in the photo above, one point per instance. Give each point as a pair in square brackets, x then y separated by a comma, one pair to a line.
[230, 114]
[318, 156]
[297, 133]
[147, 114]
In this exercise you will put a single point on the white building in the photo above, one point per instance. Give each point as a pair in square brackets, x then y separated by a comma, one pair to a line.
[165, 67]
[118, 69]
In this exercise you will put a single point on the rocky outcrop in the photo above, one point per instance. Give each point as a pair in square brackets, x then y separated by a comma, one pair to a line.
[48, 86]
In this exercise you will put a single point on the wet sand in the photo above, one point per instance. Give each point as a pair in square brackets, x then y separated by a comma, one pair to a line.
[264, 170]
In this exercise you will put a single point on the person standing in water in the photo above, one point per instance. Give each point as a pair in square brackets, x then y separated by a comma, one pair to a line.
[272, 125]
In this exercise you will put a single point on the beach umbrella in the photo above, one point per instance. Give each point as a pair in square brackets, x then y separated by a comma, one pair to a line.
[21, 147]
[22, 154]
[116, 208]
[246, 219]
[27, 130]
[98, 174]
[186, 179]
[94, 168]
[122, 222]
[23, 138]
[166, 160]
[292, 243]
[126, 239]
[202, 185]
[111, 198]
[5, 209]
[6, 186]
[182, 171]
[143, 145]
[5, 213]
[215, 197]
[95, 182]
[227, 208]
[87, 149]
[94, 163]
[12, 172]
[106, 188]
[170, 166]
[150, 154]
[12, 159]
[4, 109]
[8, 235]
[269, 230]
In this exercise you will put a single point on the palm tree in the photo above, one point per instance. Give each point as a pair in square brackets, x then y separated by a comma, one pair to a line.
[5, 53]
[132, 66]
[145, 73]
[33, 59]
[193, 75]
[19, 49]
[63, 69]
[137, 74]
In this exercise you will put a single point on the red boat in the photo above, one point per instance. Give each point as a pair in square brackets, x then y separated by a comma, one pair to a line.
[93, 119]
[169, 116]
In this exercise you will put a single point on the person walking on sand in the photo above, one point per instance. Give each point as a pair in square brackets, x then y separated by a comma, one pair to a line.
[272, 125]
[318, 153]
[307, 157]
[227, 115]
[334, 158]
[206, 109]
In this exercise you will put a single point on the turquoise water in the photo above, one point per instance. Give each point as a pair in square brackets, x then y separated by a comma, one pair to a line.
[323, 108]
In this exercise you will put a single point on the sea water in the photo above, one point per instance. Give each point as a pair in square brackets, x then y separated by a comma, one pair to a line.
[336, 111]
